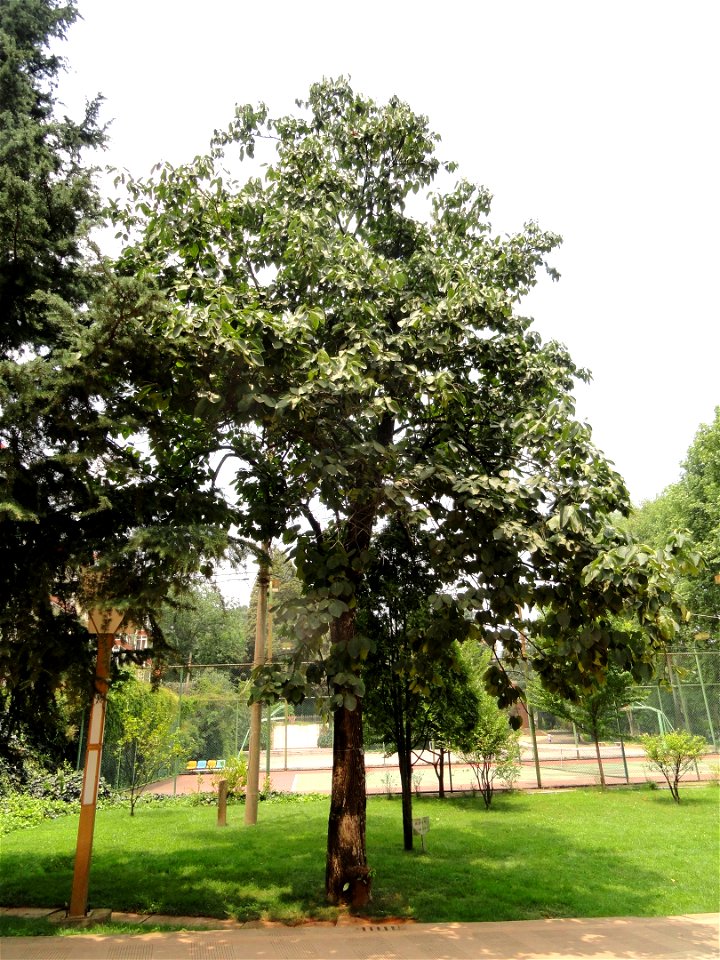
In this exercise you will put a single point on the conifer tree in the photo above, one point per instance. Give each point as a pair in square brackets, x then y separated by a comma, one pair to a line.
[76, 488]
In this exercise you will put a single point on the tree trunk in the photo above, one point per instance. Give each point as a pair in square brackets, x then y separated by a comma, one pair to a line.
[438, 762]
[347, 878]
[599, 761]
[405, 764]
[486, 784]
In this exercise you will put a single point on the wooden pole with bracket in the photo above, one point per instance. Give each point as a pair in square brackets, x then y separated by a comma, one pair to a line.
[104, 624]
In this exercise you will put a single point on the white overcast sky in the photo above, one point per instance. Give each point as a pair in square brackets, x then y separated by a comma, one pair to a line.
[597, 119]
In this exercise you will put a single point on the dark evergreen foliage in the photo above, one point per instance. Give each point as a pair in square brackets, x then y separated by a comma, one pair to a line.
[77, 488]
[47, 197]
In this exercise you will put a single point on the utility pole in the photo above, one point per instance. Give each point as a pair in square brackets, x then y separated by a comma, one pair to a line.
[253, 775]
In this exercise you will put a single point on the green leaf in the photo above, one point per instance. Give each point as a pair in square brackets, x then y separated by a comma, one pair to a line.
[337, 608]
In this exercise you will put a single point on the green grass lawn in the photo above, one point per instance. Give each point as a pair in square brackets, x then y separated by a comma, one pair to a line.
[579, 853]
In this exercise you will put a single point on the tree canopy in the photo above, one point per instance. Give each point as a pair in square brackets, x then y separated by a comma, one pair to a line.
[693, 505]
[47, 196]
[358, 363]
[204, 629]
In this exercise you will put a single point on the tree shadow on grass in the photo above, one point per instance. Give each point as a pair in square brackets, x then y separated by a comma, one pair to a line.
[237, 872]
[511, 864]
[517, 861]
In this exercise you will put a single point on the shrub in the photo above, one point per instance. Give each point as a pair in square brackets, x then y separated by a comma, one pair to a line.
[235, 772]
[64, 783]
[508, 767]
[673, 754]
[11, 779]
[325, 737]
[20, 810]
[44, 794]
[201, 799]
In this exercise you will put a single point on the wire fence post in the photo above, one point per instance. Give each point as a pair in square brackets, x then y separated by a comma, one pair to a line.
[286, 734]
[705, 699]
[622, 745]
[179, 722]
[533, 735]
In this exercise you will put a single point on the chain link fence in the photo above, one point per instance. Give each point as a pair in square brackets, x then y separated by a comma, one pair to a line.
[211, 722]
[685, 697]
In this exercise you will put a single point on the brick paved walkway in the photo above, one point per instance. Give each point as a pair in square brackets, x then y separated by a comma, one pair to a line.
[692, 937]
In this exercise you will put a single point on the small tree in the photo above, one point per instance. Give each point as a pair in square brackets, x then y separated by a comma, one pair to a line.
[492, 749]
[450, 716]
[673, 754]
[411, 698]
[489, 746]
[149, 739]
[594, 709]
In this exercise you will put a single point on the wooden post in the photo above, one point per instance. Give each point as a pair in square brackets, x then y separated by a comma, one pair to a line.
[222, 803]
[91, 778]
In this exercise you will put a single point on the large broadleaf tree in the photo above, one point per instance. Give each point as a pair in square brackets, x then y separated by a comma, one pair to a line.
[692, 504]
[357, 361]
